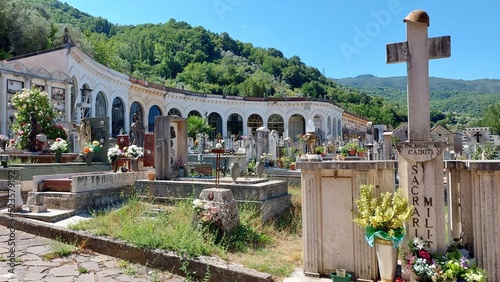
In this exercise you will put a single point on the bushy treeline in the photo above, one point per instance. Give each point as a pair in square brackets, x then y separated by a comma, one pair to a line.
[179, 55]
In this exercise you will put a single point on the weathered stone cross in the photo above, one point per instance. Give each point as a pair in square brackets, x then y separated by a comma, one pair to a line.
[417, 51]
[420, 162]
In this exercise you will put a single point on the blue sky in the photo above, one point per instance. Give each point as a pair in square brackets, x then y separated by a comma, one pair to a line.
[340, 38]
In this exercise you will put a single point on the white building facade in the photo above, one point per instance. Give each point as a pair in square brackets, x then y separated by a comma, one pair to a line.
[80, 87]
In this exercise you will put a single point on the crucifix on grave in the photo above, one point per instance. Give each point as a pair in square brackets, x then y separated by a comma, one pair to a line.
[420, 160]
[477, 135]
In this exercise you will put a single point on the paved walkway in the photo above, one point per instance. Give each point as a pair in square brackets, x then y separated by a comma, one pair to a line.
[82, 267]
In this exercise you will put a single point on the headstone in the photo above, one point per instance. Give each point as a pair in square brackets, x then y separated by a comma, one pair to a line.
[149, 149]
[122, 141]
[250, 146]
[171, 144]
[376, 149]
[273, 144]
[190, 144]
[98, 130]
[289, 145]
[262, 141]
[420, 160]
[387, 145]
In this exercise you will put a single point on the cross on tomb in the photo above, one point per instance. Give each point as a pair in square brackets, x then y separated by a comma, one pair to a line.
[416, 52]
[477, 136]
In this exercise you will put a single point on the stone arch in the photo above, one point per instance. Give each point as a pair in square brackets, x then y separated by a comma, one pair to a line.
[276, 122]
[296, 125]
[215, 121]
[154, 111]
[117, 117]
[174, 112]
[234, 124]
[254, 121]
[100, 104]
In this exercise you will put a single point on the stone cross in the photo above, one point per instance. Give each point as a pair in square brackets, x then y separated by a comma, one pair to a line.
[420, 160]
[417, 51]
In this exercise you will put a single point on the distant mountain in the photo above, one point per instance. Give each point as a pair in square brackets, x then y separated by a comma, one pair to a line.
[455, 95]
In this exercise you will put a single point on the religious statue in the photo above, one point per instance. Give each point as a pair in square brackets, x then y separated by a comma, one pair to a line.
[137, 131]
[33, 132]
[84, 134]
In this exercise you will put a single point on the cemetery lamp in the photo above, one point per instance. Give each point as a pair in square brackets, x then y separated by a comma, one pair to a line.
[4, 159]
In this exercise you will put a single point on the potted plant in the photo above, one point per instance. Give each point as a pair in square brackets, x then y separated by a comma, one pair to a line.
[343, 152]
[383, 219]
[251, 166]
[352, 148]
[361, 152]
[320, 150]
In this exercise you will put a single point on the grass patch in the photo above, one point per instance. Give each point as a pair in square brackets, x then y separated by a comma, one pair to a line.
[59, 250]
[273, 247]
[82, 270]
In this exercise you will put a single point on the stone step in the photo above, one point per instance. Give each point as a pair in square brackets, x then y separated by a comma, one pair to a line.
[56, 185]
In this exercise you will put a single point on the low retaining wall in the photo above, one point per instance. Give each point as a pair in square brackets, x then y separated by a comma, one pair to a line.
[93, 190]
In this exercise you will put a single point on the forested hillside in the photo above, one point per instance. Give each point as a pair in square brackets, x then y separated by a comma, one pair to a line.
[177, 54]
[469, 97]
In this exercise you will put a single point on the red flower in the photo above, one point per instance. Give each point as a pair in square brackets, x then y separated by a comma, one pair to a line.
[425, 255]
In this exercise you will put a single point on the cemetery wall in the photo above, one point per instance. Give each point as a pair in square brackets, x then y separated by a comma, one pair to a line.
[332, 240]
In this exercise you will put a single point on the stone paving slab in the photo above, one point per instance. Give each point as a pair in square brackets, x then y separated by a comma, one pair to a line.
[117, 250]
[81, 267]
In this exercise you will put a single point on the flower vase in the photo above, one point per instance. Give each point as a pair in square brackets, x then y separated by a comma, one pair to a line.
[387, 258]
[235, 171]
[114, 165]
[259, 169]
[416, 278]
[58, 157]
[134, 165]
[88, 158]
[17, 202]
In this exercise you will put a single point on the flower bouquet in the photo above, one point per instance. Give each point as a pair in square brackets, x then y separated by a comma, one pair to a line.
[92, 147]
[114, 153]
[455, 265]
[133, 152]
[206, 211]
[419, 260]
[59, 146]
[382, 217]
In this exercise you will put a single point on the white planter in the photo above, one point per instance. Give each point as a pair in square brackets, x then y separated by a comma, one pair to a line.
[387, 257]
[18, 200]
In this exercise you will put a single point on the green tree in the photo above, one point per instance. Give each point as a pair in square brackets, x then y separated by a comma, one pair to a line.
[491, 118]
[35, 101]
[27, 30]
[196, 124]
[257, 85]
